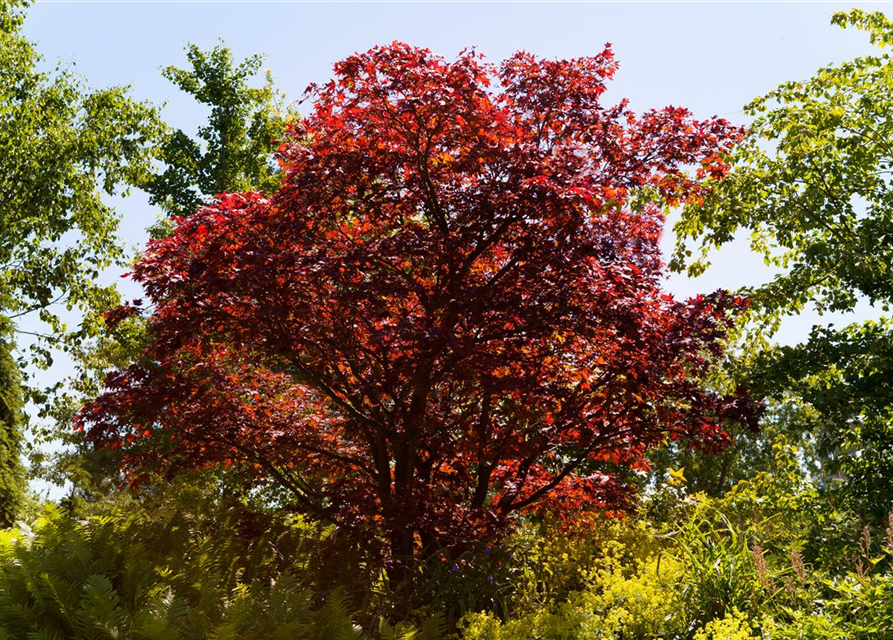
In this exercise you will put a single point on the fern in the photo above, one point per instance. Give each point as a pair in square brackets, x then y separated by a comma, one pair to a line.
[99, 614]
[176, 573]
[432, 629]
[44, 634]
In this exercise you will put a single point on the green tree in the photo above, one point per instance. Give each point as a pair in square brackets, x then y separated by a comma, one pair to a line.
[233, 150]
[12, 476]
[811, 184]
[843, 376]
[63, 149]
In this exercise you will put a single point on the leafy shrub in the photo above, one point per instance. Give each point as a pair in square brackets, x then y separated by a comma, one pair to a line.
[627, 590]
[123, 575]
[733, 626]
[726, 569]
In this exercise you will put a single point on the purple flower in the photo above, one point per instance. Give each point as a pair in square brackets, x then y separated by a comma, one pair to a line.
[490, 579]
[455, 568]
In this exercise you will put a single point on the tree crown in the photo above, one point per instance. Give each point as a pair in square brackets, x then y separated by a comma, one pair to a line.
[449, 311]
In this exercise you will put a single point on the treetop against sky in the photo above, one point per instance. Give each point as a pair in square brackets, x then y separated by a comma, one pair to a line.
[710, 58]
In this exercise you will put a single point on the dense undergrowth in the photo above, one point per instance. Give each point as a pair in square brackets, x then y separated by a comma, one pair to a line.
[772, 558]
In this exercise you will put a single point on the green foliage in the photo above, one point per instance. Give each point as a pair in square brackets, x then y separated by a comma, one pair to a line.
[614, 581]
[431, 629]
[721, 568]
[620, 602]
[753, 563]
[811, 185]
[96, 473]
[774, 551]
[233, 152]
[769, 559]
[12, 476]
[734, 626]
[842, 376]
[183, 573]
[526, 570]
[62, 148]
[234, 149]
[713, 473]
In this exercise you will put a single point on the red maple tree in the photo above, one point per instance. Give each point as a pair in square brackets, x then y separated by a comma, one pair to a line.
[451, 311]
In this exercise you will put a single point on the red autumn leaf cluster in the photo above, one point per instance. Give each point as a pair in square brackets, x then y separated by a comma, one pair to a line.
[450, 313]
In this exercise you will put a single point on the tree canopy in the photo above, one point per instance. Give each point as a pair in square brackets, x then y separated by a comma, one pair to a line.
[63, 148]
[811, 183]
[233, 151]
[449, 312]
[234, 148]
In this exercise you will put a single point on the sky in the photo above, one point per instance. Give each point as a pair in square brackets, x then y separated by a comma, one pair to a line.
[709, 57]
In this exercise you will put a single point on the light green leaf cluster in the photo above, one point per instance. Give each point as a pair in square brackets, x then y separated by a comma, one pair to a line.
[811, 184]
[628, 592]
[63, 149]
[733, 626]
[233, 150]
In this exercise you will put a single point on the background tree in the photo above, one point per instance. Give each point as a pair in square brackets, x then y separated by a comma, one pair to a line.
[12, 474]
[234, 148]
[63, 147]
[811, 184]
[450, 312]
[233, 152]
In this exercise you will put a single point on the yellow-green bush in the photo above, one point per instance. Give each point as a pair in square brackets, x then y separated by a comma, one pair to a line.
[189, 566]
[734, 626]
[121, 576]
[627, 592]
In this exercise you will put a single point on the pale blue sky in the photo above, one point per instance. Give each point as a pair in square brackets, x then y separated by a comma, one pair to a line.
[711, 58]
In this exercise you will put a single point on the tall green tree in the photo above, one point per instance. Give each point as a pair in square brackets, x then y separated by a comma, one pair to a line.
[63, 149]
[12, 475]
[233, 149]
[812, 186]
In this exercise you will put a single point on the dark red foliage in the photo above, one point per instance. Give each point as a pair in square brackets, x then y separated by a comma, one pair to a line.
[451, 312]
[119, 314]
